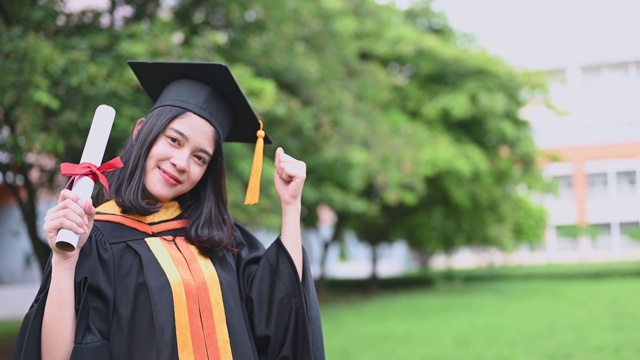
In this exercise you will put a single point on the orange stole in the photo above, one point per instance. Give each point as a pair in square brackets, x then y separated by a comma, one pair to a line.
[201, 324]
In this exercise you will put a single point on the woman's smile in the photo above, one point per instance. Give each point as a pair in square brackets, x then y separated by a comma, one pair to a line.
[171, 178]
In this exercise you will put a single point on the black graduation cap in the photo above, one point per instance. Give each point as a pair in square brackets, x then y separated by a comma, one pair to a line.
[209, 91]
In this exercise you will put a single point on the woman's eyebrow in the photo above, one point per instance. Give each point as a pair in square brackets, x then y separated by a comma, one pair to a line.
[186, 138]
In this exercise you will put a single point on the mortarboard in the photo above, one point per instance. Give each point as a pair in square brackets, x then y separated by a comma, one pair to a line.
[210, 91]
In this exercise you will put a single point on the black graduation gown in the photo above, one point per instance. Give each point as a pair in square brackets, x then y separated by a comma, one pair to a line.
[125, 309]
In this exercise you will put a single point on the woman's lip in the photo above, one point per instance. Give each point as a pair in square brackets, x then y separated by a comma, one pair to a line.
[170, 177]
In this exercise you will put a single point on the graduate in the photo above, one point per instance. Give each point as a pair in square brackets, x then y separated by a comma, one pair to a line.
[161, 270]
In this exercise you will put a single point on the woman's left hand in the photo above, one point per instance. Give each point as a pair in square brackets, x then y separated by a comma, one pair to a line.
[289, 178]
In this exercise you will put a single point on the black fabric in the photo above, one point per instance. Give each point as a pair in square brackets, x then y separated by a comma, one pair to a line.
[125, 308]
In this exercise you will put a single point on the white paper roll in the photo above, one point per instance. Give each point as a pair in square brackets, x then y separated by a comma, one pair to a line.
[93, 152]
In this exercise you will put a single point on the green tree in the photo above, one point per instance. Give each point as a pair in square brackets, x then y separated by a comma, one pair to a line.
[480, 193]
[57, 68]
[330, 107]
[399, 125]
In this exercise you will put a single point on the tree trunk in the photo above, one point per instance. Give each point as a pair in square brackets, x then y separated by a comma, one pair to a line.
[423, 259]
[373, 279]
[26, 194]
[26, 197]
[321, 284]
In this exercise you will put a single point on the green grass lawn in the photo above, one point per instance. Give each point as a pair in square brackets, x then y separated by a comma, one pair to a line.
[584, 312]
[553, 312]
[8, 332]
[9, 328]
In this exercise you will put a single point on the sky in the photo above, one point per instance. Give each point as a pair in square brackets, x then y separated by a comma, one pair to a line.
[547, 34]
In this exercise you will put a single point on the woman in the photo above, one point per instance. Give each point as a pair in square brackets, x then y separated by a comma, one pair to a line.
[161, 271]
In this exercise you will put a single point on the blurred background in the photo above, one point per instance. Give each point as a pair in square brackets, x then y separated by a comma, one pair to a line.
[472, 165]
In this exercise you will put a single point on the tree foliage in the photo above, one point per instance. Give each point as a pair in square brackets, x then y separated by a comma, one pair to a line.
[406, 132]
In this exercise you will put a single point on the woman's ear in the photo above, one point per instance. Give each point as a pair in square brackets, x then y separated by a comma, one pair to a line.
[137, 127]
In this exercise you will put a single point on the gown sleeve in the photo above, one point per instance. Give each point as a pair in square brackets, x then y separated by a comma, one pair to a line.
[93, 299]
[283, 311]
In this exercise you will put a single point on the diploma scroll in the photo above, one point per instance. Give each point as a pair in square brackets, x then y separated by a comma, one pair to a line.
[93, 152]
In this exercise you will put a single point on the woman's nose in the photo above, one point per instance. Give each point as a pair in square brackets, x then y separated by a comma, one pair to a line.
[180, 160]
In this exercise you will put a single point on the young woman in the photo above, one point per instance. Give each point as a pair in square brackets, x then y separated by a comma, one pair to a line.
[161, 271]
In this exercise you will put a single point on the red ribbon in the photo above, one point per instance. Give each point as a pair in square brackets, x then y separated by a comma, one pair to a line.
[95, 173]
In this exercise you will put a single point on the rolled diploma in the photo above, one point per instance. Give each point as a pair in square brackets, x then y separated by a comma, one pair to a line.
[93, 152]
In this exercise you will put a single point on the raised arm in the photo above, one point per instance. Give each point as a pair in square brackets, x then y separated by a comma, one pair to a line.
[289, 178]
[59, 321]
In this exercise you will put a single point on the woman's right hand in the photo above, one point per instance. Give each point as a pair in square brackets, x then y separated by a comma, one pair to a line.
[70, 213]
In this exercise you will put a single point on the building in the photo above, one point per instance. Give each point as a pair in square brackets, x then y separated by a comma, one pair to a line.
[595, 137]
[590, 138]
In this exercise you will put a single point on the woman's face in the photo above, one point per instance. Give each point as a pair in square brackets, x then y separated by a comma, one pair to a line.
[179, 157]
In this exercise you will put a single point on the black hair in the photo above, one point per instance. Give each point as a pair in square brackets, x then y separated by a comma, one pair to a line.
[210, 226]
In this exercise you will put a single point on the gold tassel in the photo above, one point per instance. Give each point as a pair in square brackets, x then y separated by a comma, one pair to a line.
[253, 189]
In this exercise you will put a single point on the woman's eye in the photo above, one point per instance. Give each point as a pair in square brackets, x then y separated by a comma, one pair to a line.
[173, 139]
[201, 159]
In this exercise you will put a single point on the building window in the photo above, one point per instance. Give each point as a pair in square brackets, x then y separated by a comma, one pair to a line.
[634, 71]
[601, 236]
[626, 183]
[630, 235]
[618, 72]
[591, 75]
[597, 185]
[565, 186]
[567, 237]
